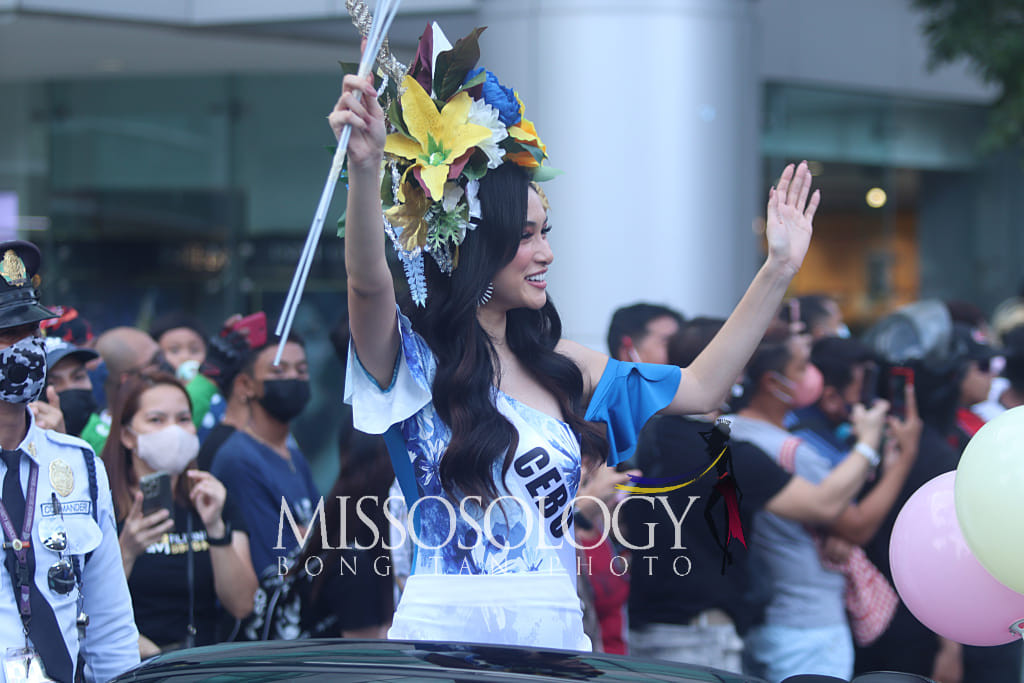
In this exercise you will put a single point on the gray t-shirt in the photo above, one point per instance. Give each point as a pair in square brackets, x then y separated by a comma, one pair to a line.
[785, 565]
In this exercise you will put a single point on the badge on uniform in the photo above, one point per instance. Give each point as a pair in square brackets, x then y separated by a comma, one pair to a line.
[23, 665]
[62, 479]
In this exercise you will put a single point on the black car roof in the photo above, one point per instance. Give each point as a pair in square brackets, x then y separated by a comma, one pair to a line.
[398, 661]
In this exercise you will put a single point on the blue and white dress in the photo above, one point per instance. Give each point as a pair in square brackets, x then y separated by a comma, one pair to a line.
[504, 573]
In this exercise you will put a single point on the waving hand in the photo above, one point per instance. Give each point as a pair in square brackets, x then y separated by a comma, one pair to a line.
[789, 217]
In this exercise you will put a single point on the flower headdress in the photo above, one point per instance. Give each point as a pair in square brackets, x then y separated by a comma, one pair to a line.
[452, 122]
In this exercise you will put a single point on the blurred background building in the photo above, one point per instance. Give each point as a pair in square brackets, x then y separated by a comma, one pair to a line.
[169, 154]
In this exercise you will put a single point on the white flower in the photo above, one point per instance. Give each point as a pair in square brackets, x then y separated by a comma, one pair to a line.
[472, 190]
[483, 114]
[452, 196]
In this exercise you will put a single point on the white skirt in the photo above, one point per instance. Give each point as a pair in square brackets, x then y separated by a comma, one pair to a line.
[531, 609]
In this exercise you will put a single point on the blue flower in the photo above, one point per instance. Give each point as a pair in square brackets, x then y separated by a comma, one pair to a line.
[498, 96]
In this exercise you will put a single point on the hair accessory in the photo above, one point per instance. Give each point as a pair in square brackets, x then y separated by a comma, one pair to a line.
[486, 295]
[451, 123]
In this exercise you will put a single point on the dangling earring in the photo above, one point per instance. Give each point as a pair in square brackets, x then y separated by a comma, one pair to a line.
[486, 295]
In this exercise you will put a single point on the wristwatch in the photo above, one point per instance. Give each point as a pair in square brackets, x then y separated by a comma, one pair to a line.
[223, 540]
[868, 452]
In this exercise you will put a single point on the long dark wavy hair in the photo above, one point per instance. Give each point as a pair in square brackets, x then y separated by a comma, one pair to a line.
[466, 358]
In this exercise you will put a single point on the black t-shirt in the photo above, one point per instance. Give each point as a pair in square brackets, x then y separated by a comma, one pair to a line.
[159, 582]
[669, 448]
[353, 591]
[212, 443]
[907, 645]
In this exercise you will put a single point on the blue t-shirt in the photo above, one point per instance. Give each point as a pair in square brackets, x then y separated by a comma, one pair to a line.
[811, 425]
[258, 479]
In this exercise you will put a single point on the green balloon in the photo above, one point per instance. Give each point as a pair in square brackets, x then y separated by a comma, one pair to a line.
[989, 495]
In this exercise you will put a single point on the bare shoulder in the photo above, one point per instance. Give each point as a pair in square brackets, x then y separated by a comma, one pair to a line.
[590, 362]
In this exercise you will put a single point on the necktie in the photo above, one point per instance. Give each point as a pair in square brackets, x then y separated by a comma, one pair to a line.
[43, 628]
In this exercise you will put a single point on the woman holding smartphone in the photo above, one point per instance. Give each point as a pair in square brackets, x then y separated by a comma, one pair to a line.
[191, 552]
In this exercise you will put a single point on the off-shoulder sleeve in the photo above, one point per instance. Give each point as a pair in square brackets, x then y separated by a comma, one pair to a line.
[626, 397]
[374, 408]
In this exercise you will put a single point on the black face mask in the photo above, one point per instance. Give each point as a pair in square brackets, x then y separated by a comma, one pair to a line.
[77, 405]
[284, 399]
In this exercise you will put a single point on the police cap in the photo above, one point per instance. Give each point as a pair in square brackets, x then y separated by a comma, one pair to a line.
[19, 300]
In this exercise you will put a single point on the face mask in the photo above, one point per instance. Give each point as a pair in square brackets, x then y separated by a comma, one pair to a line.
[801, 395]
[284, 399]
[77, 405]
[188, 370]
[169, 450]
[23, 370]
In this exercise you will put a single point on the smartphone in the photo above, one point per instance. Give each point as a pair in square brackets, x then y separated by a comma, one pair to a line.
[869, 385]
[899, 379]
[156, 493]
[254, 327]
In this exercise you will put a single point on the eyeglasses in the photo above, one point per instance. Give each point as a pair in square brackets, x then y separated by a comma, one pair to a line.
[60, 577]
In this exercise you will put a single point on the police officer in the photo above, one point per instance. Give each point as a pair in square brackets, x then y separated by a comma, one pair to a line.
[64, 601]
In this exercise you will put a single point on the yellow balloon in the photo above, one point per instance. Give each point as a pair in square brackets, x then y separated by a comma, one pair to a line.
[989, 495]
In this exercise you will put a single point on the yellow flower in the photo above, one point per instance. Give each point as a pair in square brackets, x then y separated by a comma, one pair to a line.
[524, 132]
[436, 139]
[409, 215]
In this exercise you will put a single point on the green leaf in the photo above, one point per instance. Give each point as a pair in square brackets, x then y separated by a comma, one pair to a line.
[387, 198]
[348, 68]
[476, 168]
[472, 83]
[395, 117]
[990, 37]
[542, 174]
[536, 152]
[453, 65]
[513, 146]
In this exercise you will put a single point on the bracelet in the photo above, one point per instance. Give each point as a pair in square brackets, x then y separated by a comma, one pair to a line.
[868, 452]
[223, 540]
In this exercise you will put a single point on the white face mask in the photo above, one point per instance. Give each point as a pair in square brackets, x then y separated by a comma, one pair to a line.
[169, 450]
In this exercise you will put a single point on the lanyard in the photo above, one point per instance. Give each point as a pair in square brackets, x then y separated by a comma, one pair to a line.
[190, 633]
[22, 545]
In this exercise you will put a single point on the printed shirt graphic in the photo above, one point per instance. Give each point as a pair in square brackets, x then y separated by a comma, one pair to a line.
[159, 581]
[518, 536]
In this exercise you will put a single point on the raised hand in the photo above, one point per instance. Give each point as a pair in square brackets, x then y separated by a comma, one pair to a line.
[139, 532]
[207, 495]
[366, 146]
[47, 412]
[790, 216]
[905, 434]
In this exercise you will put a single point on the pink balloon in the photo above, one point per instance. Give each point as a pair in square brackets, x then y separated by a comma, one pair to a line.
[940, 580]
